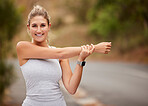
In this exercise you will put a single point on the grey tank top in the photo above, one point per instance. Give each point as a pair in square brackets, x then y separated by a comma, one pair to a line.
[42, 80]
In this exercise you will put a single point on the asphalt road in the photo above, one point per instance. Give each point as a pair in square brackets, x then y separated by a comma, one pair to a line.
[115, 84]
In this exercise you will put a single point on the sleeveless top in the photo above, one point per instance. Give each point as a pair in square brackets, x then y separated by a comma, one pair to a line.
[42, 82]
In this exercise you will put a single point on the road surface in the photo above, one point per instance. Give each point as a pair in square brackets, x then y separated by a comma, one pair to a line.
[117, 84]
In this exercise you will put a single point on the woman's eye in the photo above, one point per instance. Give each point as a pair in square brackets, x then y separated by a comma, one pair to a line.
[34, 25]
[43, 25]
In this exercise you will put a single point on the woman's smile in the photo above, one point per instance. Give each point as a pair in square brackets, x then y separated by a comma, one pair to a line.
[39, 35]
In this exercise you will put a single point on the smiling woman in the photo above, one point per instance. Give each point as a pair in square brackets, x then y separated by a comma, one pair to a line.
[39, 25]
[38, 29]
[43, 65]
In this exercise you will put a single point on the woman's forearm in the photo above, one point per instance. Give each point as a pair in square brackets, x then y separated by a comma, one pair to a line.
[69, 52]
[75, 79]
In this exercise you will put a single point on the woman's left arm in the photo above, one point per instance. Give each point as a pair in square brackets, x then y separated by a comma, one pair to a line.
[71, 80]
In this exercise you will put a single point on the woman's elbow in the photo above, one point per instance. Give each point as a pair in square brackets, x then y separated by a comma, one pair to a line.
[72, 92]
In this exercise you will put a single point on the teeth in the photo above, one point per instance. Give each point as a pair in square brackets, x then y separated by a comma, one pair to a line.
[38, 34]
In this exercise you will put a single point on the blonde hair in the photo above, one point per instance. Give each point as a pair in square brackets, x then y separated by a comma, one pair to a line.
[38, 11]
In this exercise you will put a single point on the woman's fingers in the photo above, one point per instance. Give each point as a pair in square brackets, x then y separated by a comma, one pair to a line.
[92, 48]
[85, 48]
[88, 48]
[107, 51]
[108, 44]
[108, 47]
[82, 47]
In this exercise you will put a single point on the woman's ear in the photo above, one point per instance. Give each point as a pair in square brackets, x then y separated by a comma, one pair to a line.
[49, 26]
[28, 26]
[28, 29]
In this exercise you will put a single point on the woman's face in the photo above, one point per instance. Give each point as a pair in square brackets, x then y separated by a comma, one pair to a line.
[39, 28]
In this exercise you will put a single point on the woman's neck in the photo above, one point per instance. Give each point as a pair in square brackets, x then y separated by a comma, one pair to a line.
[43, 44]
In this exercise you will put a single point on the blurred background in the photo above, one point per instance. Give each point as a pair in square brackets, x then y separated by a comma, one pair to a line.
[122, 73]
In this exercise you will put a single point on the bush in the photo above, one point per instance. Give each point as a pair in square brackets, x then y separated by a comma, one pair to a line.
[10, 17]
[120, 19]
[106, 22]
[7, 76]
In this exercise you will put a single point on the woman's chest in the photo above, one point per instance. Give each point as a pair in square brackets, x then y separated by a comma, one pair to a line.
[42, 69]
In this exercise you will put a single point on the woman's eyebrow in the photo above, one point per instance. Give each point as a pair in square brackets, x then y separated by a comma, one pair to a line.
[43, 23]
[33, 23]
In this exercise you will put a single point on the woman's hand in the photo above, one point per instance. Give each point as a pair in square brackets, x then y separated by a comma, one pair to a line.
[103, 47]
[86, 51]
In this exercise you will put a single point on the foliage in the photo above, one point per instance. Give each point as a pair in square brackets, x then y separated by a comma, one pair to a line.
[6, 78]
[106, 22]
[10, 17]
[111, 19]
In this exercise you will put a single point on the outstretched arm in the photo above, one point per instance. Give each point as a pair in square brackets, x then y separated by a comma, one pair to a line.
[26, 50]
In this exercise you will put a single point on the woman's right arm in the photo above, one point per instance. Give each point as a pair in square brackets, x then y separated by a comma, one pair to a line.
[26, 50]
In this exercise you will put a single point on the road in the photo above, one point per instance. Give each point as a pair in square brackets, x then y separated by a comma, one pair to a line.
[114, 84]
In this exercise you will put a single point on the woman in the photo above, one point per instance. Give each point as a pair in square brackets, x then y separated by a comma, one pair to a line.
[43, 65]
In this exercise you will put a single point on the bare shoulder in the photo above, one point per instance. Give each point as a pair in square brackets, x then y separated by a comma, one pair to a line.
[22, 44]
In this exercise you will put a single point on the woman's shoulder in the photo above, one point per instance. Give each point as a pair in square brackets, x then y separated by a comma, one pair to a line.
[22, 44]
[19, 47]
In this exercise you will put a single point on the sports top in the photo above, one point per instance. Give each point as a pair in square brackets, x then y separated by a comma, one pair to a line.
[42, 82]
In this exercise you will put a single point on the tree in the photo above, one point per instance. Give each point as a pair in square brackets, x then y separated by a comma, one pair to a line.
[10, 19]
[111, 19]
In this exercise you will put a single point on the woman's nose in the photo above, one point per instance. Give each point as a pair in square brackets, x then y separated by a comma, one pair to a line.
[38, 29]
